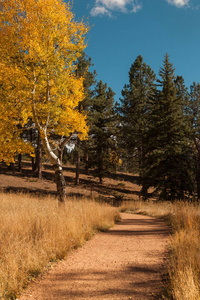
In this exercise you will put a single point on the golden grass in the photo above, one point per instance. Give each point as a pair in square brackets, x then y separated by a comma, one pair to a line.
[35, 231]
[184, 248]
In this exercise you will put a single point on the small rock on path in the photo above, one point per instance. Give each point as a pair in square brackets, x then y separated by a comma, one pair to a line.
[124, 263]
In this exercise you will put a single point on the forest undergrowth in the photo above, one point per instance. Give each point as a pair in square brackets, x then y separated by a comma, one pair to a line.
[182, 281]
[35, 232]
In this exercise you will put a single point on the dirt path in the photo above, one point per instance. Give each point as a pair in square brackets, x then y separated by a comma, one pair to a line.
[124, 263]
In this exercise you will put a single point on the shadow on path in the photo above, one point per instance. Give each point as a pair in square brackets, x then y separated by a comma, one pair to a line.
[124, 263]
[132, 288]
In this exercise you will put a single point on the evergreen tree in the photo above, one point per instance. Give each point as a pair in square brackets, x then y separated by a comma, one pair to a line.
[83, 65]
[134, 109]
[168, 163]
[194, 106]
[103, 129]
[183, 95]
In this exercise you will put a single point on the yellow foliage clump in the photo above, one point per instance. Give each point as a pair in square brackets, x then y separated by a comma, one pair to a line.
[40, 42]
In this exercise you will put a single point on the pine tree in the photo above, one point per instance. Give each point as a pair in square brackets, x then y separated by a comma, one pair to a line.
[134, 110]
[83, 65]
[102, 131]
[168, 165]
[194, 109]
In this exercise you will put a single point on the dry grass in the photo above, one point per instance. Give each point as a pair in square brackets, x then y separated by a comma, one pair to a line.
[184, 250]
[34, 232]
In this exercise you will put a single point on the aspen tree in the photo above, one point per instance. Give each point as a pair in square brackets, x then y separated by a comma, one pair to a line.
[40, 42]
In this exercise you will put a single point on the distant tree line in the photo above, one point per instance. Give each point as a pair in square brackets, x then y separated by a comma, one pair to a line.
[154, 130]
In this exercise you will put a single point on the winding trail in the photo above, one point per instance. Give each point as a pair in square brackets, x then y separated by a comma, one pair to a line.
[124, 263]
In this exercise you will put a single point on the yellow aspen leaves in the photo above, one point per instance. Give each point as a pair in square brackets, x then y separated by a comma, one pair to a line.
[40, 42]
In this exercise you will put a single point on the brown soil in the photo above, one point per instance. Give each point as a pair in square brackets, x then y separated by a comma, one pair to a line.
[118, 186]
[127, 262]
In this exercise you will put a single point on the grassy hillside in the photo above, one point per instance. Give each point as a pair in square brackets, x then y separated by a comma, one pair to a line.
[117, 186]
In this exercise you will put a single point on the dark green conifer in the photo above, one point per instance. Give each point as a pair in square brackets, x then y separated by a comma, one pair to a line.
[194, 107]
[103, 128]
[134, 110]
[168, 162]
[81, 148]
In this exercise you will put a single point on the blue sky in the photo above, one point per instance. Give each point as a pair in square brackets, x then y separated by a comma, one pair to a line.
[123, 29]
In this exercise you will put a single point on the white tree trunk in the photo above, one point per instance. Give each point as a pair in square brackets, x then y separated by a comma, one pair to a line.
[55, 161]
